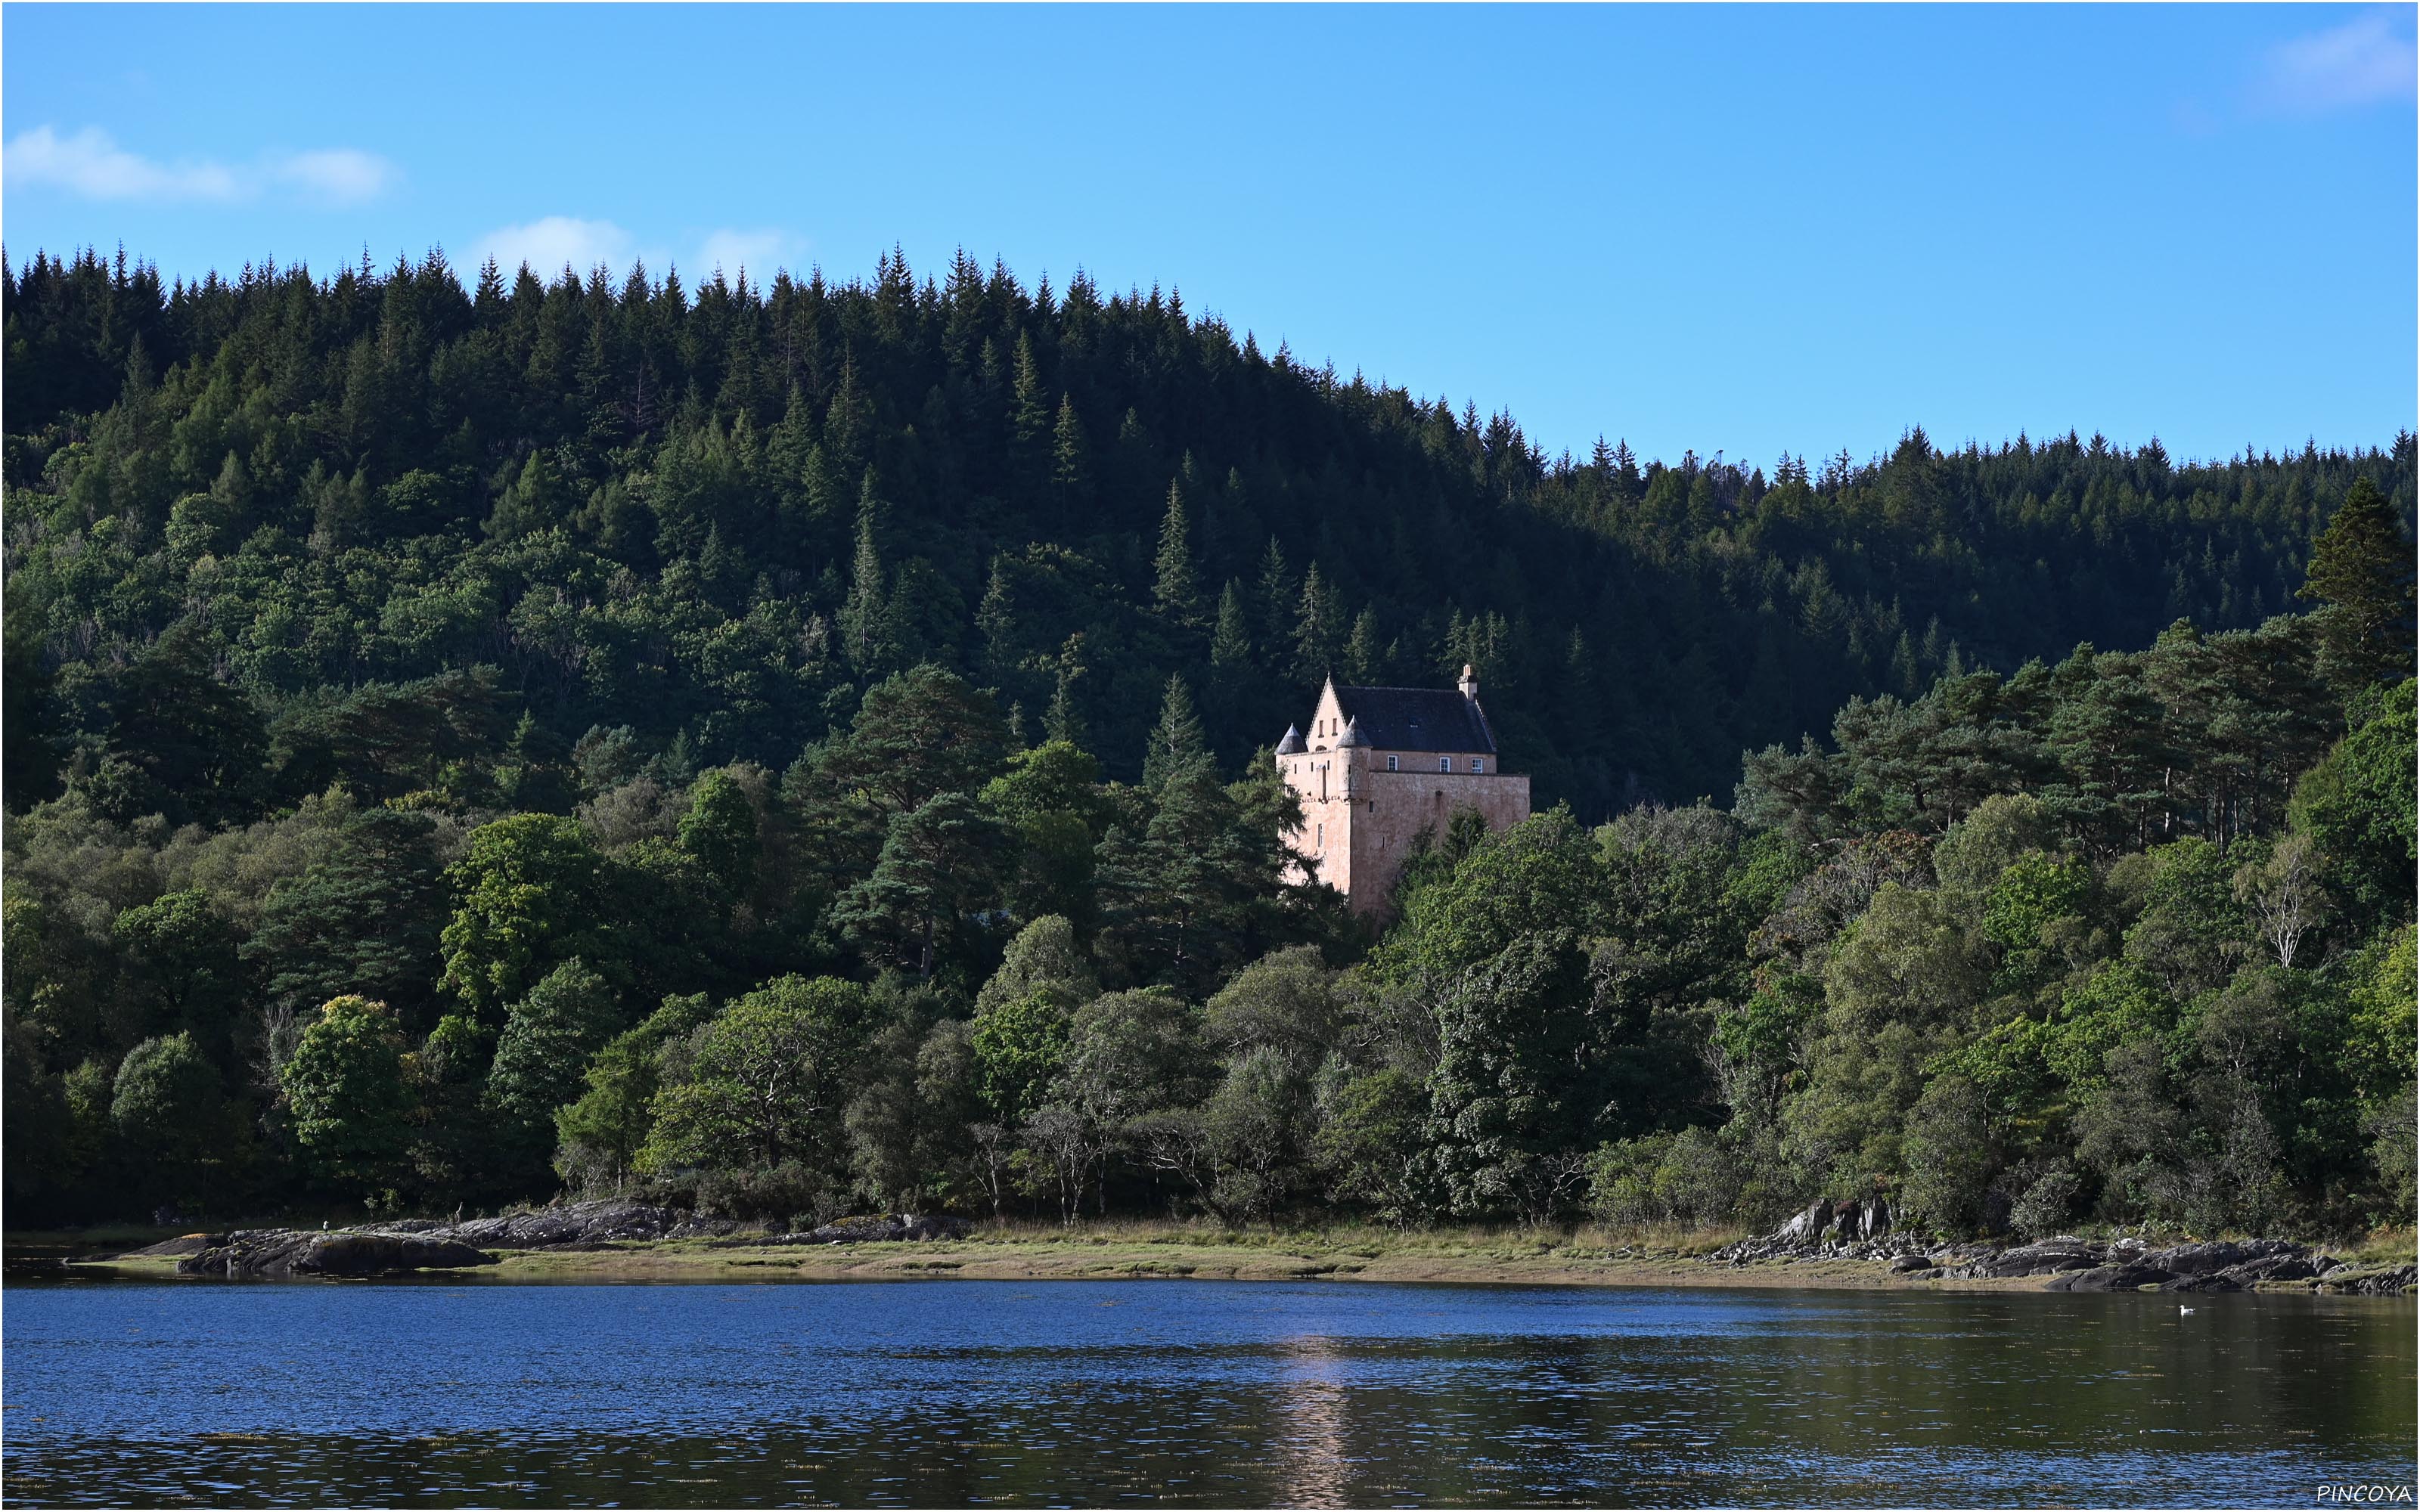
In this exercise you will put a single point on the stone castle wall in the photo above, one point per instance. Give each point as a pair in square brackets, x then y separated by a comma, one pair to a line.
[1356, 838]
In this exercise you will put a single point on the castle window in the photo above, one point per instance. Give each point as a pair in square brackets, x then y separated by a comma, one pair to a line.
[1445, 763]
[1321, 830]
[1394, 762]
[1477, 764]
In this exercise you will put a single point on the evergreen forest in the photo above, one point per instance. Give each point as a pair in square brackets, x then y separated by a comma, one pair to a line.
[801, 747]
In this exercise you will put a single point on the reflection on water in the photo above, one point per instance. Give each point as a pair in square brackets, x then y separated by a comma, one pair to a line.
[1312, 1453]
[1316, 1393]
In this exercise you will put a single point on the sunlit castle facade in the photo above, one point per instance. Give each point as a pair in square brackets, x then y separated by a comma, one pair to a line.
[1379, 765]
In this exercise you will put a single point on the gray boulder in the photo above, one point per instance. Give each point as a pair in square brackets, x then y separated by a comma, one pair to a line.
[891, 1228]
[2111, 1278]
[2219, 1255]
[583, 1225]
[885, 1228]
[2049, 1257]
[289, 1252]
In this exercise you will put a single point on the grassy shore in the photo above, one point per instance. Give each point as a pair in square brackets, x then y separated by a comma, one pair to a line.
[1117, 1249]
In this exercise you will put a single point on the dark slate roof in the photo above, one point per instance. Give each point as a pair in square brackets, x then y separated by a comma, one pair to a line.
[1416, 718]
[1292, 743]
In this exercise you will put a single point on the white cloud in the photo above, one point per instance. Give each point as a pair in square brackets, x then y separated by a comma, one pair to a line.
[554, 242]
[91, 164]
[338, 174]
[2360, 63]
[761, 253]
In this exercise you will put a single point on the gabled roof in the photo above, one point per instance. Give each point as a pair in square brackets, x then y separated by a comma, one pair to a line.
[1415, 718]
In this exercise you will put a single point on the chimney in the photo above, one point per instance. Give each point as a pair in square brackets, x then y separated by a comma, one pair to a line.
[1469, 682]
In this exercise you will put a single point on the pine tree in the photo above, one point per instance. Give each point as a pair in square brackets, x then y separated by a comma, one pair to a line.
[1278, 593]
[1176, 594]
[1319, 632]
[1907, 678]
[2361, 570]
[1176, 739]
[1030, 419]
[996, 622]
[1063, 720]
[848, 422]
[1230, 641]
[869, 639]
[1580, 712]
[1071, 464]
[1364, 658]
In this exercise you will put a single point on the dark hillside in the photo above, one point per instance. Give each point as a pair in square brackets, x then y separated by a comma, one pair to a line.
[715, 515]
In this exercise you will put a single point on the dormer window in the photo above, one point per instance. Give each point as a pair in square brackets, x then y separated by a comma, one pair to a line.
[1394, 763]
[1445, 763]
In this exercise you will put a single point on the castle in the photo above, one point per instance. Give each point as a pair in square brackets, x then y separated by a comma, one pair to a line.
[1383, 764]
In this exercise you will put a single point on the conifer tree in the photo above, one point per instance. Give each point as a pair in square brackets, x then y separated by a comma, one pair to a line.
[1176, 739]
[848, 422]
[1071, 464]
[1063, 720]
[1279, 604]
[2361, 571]
[869, 639]
[1364, 658]
[996, 622]
[1029, 424]
[1231, 640]
[1176, 594]
[1580, 706]
[1319, 631]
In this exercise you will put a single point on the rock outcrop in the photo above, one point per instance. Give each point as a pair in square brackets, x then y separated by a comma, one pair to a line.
[885, 1230]
[409, 1244]
[1848, 1231]
[290, 1252]
[580, 1225]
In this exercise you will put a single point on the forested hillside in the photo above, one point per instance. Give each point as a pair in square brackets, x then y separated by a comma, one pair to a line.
[792, 749]
[714, 516]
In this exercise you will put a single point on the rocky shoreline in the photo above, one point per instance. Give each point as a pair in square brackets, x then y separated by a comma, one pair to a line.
[411, 1245]
[1827, 1245]
[1862, 1231]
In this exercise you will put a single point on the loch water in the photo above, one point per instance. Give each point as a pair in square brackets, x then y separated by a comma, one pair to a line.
[946, 1393]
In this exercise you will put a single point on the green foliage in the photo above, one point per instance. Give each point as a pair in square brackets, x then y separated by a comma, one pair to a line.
[2361, 571]
[167, 1108]
[529, 888]
[547, 1039]
[1539, 875]
[765, 1083]
[1020, 1047]
[2358, 805]
[600, 1132]
[375, 641]
[346, 1089]
[1514, 1089]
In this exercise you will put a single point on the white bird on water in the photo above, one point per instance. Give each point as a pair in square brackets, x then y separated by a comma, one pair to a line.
[2185, 1311]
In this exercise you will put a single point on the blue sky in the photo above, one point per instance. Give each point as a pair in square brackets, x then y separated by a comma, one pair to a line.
[1738, 229]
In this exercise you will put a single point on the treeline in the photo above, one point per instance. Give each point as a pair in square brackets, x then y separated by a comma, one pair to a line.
[715, 516]
[795, 749]
[2126, 939]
